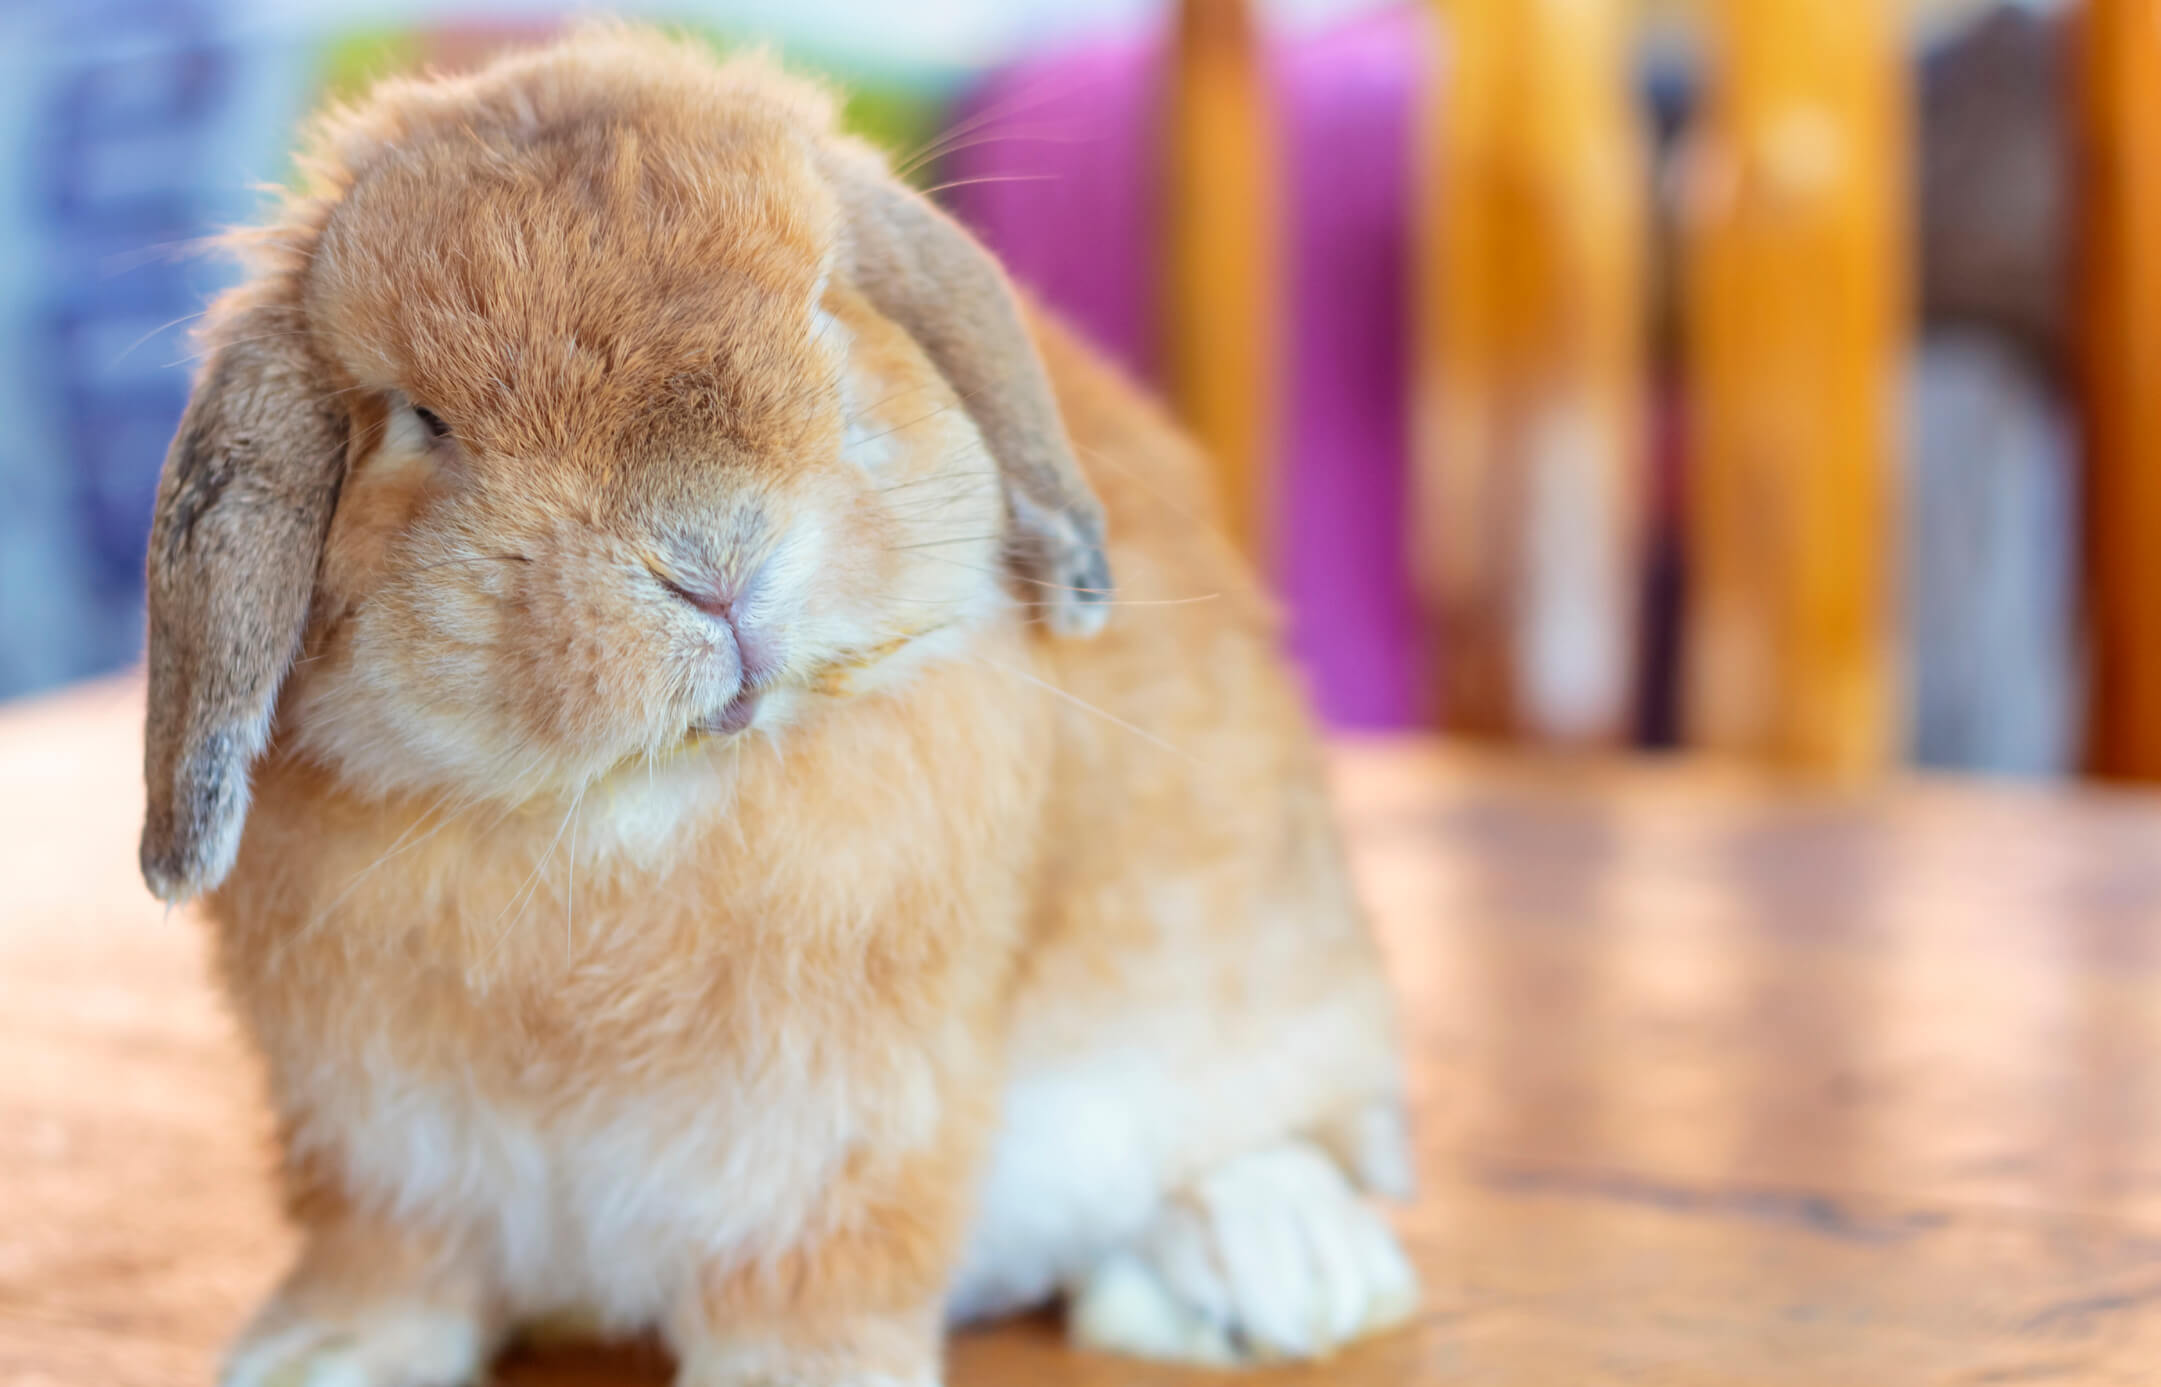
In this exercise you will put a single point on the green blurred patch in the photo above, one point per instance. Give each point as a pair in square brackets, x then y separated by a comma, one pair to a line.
[900, 122]
[355, 60]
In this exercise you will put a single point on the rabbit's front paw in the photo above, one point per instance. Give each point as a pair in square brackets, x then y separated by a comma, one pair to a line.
[387, 1347]
[1274, 1256]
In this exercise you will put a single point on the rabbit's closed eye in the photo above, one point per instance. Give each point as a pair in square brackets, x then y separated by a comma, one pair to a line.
[432, 422]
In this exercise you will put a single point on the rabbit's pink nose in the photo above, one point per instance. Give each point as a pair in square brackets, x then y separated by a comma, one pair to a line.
[733, 603]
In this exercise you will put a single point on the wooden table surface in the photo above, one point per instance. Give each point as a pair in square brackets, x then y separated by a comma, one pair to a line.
[1718, 1084]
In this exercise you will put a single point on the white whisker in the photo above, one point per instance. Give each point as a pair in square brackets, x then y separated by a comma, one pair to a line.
[1112, 718]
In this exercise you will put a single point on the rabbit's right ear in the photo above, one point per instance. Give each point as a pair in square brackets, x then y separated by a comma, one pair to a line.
[920, 269]
[243, 510]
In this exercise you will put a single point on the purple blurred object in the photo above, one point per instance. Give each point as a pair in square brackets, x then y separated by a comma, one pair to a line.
[1349, 103]
[1058, 173]
[1052, 166]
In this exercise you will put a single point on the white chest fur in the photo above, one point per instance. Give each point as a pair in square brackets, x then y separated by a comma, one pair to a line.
[607, 1206]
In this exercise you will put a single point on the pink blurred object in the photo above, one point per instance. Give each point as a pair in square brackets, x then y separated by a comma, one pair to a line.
[1051, 165]
[1056, 168]
[1343, 546]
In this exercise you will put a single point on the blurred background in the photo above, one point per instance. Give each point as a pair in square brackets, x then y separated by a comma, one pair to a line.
[1778, 377]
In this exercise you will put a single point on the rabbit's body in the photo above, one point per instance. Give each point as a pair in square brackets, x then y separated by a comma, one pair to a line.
[982, 966]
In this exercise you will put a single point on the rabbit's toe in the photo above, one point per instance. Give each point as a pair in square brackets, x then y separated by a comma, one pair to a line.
[379, 1348]
[1274, 1256]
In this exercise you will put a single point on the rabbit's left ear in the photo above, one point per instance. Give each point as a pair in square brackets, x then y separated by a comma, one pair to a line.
[243, 510]
[922, 270]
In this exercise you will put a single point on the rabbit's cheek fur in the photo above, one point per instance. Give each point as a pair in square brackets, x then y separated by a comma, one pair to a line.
[502, 670]
[917, 568]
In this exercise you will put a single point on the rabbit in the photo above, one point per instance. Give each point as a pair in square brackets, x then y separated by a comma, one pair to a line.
[635, 688]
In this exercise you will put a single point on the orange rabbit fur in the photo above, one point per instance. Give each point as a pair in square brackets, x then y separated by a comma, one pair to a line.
[624, 609]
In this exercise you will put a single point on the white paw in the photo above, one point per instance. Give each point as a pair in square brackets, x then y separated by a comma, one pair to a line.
[384, 1348]
[1374, 1145]
[1272, 1257]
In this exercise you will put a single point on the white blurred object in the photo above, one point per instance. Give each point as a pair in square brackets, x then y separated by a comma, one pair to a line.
[1992, 595]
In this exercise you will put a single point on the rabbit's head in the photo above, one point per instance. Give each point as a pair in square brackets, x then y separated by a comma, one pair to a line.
[600, 401]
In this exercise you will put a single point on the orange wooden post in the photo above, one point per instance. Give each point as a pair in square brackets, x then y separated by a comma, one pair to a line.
[1530, 429]
[1798, 314]
[1223, 285]
[2120, 71]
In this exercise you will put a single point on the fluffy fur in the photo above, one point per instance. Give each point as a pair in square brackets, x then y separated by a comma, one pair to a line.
[704, 874]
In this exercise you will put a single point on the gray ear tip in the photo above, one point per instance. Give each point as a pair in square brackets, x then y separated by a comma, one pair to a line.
[167, 869]
[164, 876]
[1078, 618]
[177, 866]
[195, 810]
[1084, 602]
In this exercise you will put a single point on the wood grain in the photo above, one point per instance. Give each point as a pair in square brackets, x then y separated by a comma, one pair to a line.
[1718, 1083]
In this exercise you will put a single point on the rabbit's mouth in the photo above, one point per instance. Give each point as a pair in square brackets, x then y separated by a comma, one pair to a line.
[833, 679]
[736, 716]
